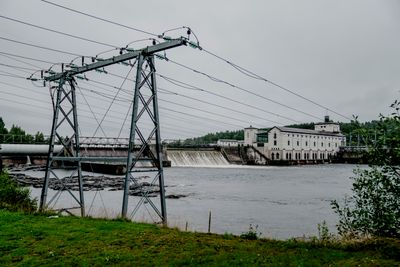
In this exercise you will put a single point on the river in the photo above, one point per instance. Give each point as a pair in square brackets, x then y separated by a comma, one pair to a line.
[283, 202]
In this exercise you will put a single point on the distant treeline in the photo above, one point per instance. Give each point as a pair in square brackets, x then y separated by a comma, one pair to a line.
[361, 133]
[16, 135]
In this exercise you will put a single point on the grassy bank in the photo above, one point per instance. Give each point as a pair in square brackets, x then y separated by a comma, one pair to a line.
[41, 240]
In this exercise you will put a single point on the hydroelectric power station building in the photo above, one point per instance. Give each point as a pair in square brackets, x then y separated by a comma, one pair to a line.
[295, 144]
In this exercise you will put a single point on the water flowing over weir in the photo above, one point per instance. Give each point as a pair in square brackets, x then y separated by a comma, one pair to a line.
[200, 158]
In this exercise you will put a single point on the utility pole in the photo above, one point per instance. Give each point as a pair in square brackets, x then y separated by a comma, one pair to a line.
[144, 107]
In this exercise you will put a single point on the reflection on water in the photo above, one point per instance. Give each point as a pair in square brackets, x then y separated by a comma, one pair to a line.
[283, 201]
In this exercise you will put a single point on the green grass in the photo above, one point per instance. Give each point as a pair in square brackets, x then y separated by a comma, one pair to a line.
[29, 240]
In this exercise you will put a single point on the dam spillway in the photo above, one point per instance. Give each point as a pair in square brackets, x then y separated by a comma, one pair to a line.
[196, 158]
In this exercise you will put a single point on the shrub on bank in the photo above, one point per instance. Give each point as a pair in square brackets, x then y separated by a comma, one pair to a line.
[13, 197]
[374, 207]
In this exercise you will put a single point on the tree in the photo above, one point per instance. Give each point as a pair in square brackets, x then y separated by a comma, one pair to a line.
[374, 207]
[39, 138]
[3, 130]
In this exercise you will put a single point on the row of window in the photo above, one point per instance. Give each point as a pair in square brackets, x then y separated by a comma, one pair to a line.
[298, 143]
[297, 156]
[313, 136]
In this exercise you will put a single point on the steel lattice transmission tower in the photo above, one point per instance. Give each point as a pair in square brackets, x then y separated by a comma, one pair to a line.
[65, 117]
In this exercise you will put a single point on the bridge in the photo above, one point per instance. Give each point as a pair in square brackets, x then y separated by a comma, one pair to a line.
[20, 152]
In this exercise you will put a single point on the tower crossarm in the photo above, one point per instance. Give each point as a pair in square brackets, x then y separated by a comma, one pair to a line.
[117, 59]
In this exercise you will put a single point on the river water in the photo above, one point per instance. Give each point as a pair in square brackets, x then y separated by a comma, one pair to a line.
[283, 202]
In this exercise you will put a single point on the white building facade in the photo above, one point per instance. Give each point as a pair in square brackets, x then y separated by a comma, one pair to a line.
[285, 143]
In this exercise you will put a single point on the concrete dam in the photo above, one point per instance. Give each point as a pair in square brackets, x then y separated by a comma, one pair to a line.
[196, 157]
[175, 157]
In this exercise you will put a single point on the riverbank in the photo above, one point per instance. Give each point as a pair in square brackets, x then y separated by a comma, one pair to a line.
[51, 240]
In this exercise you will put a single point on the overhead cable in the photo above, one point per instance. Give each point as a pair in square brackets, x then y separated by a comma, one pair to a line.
[58, 32]
[258, 77]
[41, 47]
[98, 18]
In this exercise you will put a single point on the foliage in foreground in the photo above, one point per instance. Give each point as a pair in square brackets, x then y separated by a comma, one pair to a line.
[13, 197]
[34, 240]
[374, 207]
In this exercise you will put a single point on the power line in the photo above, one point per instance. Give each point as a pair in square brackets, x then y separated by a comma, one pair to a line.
[192, 87]
[112, 102]
[200, 117]
[17, 67]
[98, 18]
[106, 96]
[217, 105]
[29, 58]
[205, 111]
[202, 110]
[21, 61]
[215, 79]
[43, 108]
[58, 32]
[191, 115]
[258, 77]
[42, 101]
[41, 47]
[237, 67]
[9, 74]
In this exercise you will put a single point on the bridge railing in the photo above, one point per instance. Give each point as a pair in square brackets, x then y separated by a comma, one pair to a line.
[83, 140]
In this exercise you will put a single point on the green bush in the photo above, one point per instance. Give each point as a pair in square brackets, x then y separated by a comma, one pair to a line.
[13, 197]
[252, 234]
[374, 207]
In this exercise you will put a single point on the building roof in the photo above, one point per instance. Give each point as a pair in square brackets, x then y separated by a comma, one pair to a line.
[329, 122]
[251, 127]
[306, 131]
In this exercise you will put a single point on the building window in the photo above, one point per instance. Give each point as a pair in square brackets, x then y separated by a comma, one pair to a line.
[297, 143]
[306, 143]
[329, 144]
[274, 135]
[277, 155]
[315, 143]
[273, 156]
[335, 144]
[274, 142]
[288, 142]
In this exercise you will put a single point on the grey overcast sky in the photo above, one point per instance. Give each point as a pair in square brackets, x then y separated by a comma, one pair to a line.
[342, 54]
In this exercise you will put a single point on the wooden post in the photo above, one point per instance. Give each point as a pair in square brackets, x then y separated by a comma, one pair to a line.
[209, 222]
